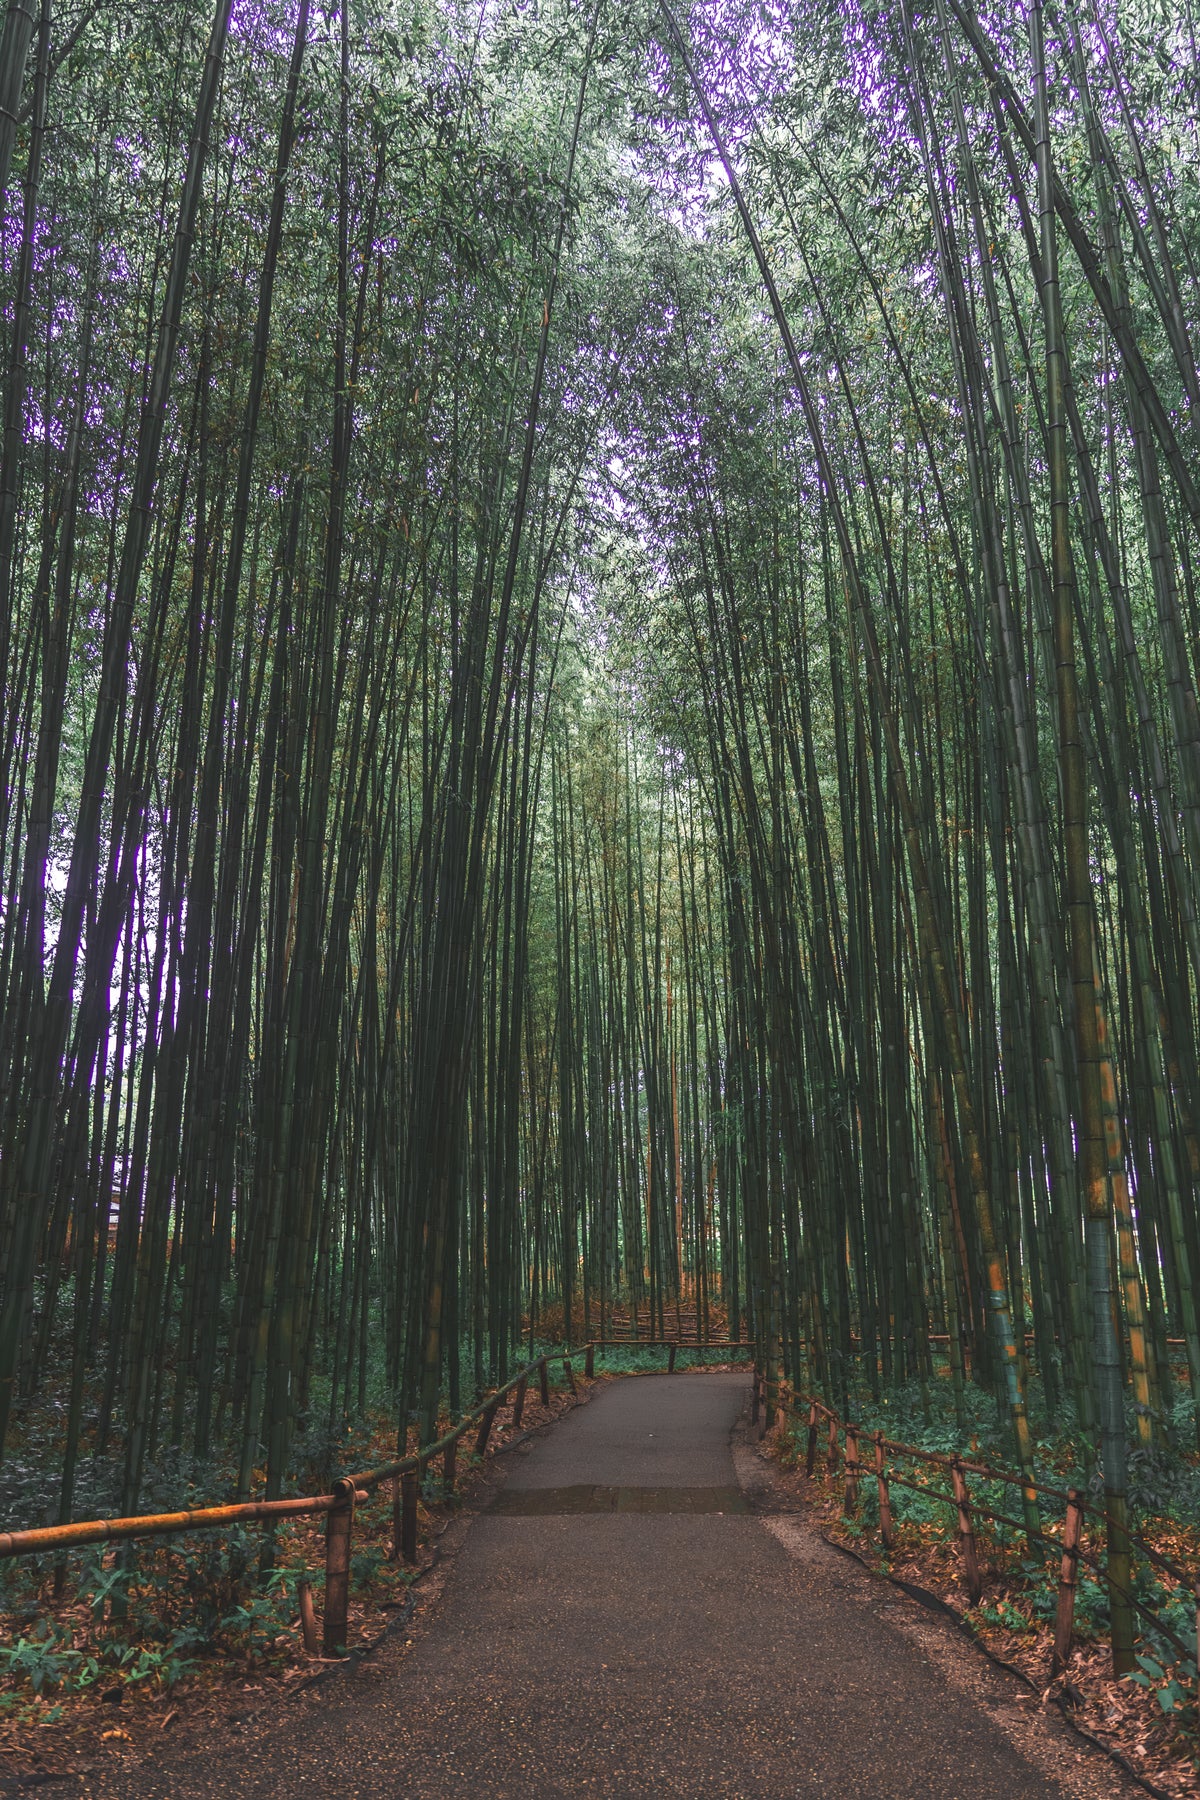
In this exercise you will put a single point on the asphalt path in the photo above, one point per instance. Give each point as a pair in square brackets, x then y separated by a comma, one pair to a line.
[619, 1624]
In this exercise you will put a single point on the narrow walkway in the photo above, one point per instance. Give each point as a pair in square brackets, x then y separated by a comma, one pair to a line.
[618, 1624]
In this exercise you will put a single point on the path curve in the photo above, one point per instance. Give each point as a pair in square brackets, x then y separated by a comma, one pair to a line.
[618, 1624]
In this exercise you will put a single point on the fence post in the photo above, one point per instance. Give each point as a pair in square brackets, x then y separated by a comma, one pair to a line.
[339, 1523]
[851, 1500]
[518, 1403]
[754, 1399]
[886, 1534]
[1068, 1576]
[966, 1534]
[831, 1457]
[570, 1373]
[308, 1618]
[544, 1381]
[589, 1362]
[485, 1427]
[449, 1466]
[671, 1360]
[811, 1457]
[410, 1483]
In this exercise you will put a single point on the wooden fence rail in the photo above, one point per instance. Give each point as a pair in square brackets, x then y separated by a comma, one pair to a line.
[204, 1518]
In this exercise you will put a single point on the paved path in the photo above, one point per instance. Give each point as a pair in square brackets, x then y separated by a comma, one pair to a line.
[618, 1625]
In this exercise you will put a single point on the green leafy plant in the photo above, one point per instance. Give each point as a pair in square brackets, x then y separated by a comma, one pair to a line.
[1175, 1690]
[138, 1664]
[1004, 1614]
[365, 1565]
[41, 1662]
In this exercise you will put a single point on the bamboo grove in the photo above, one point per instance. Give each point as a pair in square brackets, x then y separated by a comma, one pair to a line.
[600, 705]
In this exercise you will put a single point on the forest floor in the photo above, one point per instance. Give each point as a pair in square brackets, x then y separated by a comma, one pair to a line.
[1128, 1720]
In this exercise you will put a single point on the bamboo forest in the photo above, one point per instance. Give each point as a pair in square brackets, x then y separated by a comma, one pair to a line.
[599, 639]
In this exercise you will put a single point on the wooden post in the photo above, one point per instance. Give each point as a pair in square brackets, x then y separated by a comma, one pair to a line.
[589, 1362]
[1068, 1577]
[410, 1484]
[851, 1501]
[671, 1360]
[449, 1466]
[339, 1524]
[570, 1373]
[518, 1404]
[485, 1427]
[966, 1534]
[811, 1457]
[887, 1534]
[831, 1457]
[544, 1381]
[308, 1618]
[754, 1400]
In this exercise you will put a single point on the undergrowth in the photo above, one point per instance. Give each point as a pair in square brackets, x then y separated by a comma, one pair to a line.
[113, 1622]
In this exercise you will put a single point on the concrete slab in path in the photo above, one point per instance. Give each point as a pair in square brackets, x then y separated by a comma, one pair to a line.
[638, 1647]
